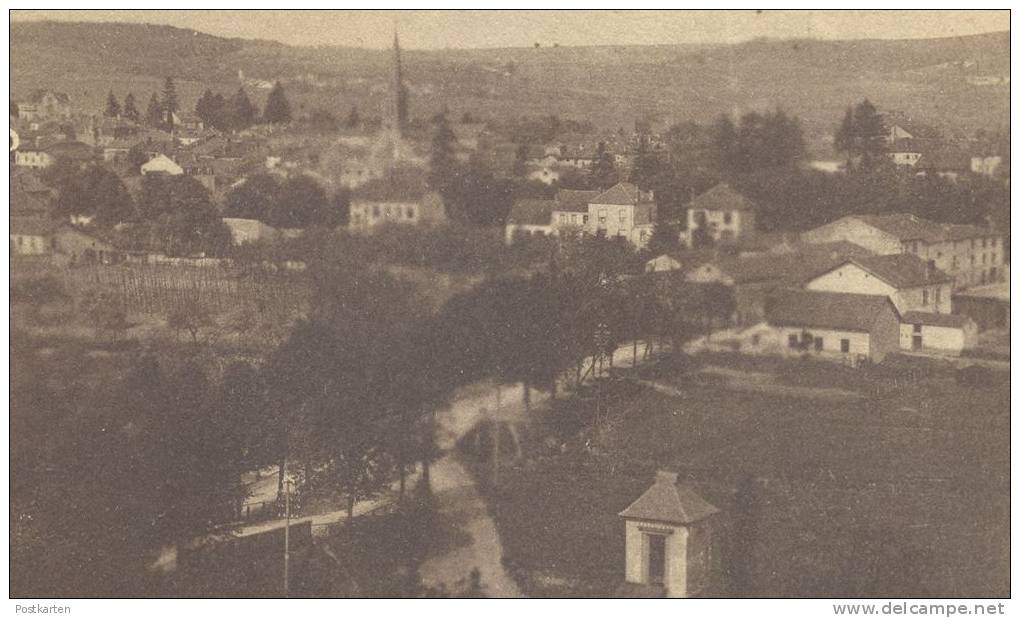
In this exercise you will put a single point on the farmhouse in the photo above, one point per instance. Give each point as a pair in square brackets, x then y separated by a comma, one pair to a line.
[623, 211]
[367, 213]
[911, 283]
[849, 327]
[246, 231]
[725, 212]
[44, 105]
[529, 217]
[937, 332]
[31, 235]
[971, 255]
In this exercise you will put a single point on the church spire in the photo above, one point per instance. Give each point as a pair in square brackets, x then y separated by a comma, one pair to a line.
[399, 90]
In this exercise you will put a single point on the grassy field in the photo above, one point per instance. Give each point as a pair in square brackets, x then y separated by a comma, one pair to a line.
[903, 494]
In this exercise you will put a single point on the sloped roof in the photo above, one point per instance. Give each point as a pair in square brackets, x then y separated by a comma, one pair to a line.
[531, 212]
[902, 270]
[669, 502]
[575, 200]
[793, 268]
[947, 320]
[910, 227]
[721, 197]
[620, 193]
[32, 226]
[37, 96]
[835, 310]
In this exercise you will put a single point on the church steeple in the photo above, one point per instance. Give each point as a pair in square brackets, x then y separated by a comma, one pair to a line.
[399, 109]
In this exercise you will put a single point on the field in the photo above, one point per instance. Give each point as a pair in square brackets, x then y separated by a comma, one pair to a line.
[901, 494]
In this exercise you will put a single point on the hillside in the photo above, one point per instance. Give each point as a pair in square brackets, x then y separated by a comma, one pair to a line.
[949, 82]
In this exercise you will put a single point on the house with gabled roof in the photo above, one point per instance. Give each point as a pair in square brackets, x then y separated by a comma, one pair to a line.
[623, 211]
[970, 254]
[832, 325]
[910, 283]
[727, 213]
[529, 217]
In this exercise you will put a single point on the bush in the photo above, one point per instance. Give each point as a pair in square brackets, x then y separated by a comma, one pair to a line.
[38, 291]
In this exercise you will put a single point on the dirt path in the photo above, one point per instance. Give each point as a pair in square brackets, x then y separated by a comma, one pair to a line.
[457, 499]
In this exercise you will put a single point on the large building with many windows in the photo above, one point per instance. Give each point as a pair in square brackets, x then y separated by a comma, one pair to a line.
[971, 255]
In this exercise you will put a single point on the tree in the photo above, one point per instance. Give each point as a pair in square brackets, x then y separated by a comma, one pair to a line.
[664, 239]
[258, 197]
[154, 112]
[861, 136]
[95, 192]
[442, 160]
[130, 109]
[242, 112]
[277, 108]
[112, 106]
[191, 316]
[302, 202]
[104, 313]
[603, 171]
[646, 165]
[353, 119]
[761, 141]
[183, 217]
[169, 103]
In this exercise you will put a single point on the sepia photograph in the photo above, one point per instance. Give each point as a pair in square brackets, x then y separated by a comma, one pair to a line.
[546, 304]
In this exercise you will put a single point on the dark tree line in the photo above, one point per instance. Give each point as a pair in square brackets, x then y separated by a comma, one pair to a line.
[295, 202]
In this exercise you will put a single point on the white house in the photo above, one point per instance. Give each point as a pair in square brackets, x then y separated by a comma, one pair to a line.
[623, 211]
[830, 325]
[245, 231]
[726, 212]
[529, 217]
[669, 546]
[161, 164]
[936, 332]
[911, 283]
[368, 213]
[31, 235]
[971, 255]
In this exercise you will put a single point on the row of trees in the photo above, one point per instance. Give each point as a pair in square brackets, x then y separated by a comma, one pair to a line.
[295, 202]
[173, 214]
[215, 110]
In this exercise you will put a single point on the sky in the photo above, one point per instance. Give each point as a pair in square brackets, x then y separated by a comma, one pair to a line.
[487, 29]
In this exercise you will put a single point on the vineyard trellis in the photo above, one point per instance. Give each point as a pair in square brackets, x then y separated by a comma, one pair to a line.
[162, 289]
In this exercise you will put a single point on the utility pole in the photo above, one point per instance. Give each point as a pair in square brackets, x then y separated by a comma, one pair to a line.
[286, 543]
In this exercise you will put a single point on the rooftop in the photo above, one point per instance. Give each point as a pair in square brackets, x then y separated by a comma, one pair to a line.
[910, 227]
[948, 320]
[620, 193]
[531, 212]
[834, 310]
[902, 270]
[721, 197]
[670, 502]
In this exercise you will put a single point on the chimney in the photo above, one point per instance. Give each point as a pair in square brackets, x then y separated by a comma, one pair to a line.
[666, 477]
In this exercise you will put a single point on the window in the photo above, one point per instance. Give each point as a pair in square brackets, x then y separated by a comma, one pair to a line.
[573, 219]
[984, 242]
[938, 295]
[917, 328]
[819, 346]
[924, 296]
[563, 218]
[602, 215]
[623, 216]
[793, 342]
[584, 219]
[410, 212]
[656, 558]
[755, 340]
[844, 345]
[727, 218]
